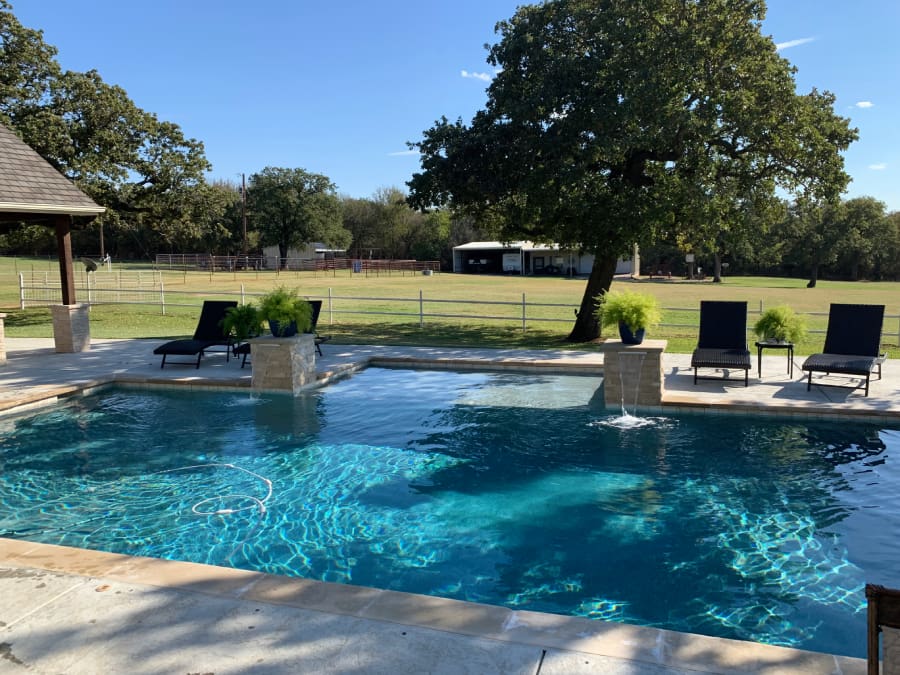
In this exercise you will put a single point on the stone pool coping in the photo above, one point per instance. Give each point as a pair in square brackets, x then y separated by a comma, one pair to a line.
[774, 393]
[35, 376]
[50, 588]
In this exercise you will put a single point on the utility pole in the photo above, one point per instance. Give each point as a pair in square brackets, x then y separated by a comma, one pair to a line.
[244, 213]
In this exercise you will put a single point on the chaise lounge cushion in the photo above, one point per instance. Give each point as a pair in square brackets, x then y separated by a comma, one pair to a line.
[721, 358]
[183, 347]
[850, 364]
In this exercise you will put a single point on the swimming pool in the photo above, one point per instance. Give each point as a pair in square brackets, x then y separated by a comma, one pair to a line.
[509, 489]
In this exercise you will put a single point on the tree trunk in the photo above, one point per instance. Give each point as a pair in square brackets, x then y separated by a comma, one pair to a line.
[717, 268]
[587, 327]
[813, 275]
[282, 255]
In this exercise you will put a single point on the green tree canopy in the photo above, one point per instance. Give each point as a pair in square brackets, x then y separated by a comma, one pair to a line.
[853, 236]
[292, 207]
[385, 226]
[139, 167]
[610, 120]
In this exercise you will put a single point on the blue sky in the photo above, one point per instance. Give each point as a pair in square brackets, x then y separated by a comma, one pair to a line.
[339, 87]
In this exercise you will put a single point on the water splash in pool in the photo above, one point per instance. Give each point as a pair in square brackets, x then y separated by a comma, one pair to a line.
[626, 421]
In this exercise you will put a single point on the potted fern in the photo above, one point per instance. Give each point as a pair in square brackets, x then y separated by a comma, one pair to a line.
[780, 324]
[242, 322]
[286, 312]
[632, 312]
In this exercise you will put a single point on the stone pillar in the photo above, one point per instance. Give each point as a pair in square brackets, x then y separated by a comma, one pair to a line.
[71, 328]
[2, 340]
[283, 364]
[633, 366]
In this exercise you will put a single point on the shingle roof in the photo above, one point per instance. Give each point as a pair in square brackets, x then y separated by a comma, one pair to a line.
[28, 184]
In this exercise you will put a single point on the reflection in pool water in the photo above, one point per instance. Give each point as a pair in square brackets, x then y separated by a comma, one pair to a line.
[511, 489]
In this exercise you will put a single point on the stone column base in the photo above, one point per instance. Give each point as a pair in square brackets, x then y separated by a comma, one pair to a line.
[2, 340]
[71, 328]
[283, 364]
[633, 374]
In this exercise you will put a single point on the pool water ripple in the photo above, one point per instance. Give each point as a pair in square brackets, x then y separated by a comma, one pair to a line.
[500, 488]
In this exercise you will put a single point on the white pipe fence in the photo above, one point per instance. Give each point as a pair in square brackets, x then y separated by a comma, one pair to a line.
[150, 290]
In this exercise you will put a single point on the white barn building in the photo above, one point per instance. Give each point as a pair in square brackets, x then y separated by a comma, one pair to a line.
[528, 258]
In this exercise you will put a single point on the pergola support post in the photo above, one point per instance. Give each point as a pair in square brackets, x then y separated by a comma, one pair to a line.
[71, 321]
[64, 249]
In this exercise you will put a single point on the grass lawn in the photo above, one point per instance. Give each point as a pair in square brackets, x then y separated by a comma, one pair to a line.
[384, 309]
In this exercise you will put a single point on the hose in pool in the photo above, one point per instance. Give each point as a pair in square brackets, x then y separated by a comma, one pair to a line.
[198, 509]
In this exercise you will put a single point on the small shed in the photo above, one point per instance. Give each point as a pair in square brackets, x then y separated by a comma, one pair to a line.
[32, 191]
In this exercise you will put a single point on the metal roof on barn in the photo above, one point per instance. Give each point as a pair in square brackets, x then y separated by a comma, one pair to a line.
[505, 246]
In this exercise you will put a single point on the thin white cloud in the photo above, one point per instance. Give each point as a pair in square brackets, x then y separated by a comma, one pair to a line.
[878, 167]
[403, 153]
[484, 77]
[779, 46]
[864, 104]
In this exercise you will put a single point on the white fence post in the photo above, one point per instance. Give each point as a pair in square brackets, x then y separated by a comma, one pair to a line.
[330, 309]
[421, 310]
[21, 290]
[162, 297]
[243, 300]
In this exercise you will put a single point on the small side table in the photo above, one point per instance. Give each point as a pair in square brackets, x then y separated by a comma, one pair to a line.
[770, 344]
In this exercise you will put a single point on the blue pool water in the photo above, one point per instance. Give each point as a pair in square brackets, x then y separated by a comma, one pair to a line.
[510, 489]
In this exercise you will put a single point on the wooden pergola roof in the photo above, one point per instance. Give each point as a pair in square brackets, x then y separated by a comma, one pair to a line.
[31, 190]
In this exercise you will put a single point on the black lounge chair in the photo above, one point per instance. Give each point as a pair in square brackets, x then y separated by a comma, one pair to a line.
[852, 344]
[316, 310]
[209, 333]
[723, 339]
[243, 349]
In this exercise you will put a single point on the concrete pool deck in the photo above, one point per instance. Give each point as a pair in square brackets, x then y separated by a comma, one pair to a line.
[80, 611]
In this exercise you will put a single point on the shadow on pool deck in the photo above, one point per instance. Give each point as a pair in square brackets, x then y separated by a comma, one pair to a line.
[79, 611]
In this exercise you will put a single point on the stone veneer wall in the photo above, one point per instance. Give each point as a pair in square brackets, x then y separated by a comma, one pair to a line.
[71, 328]
[283, 364]
[891, 650]
[633, 366]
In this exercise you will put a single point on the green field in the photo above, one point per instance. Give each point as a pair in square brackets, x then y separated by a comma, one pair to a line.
[385, 309]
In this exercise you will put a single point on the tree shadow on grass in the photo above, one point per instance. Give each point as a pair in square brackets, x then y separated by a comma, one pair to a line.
[26, 318]
[462, 335]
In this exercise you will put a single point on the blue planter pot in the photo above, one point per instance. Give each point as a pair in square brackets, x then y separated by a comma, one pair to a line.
[629, 338]
[283, 331]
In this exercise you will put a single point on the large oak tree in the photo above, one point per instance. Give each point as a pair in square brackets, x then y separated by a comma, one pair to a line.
[293, 207]
[609, 120]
